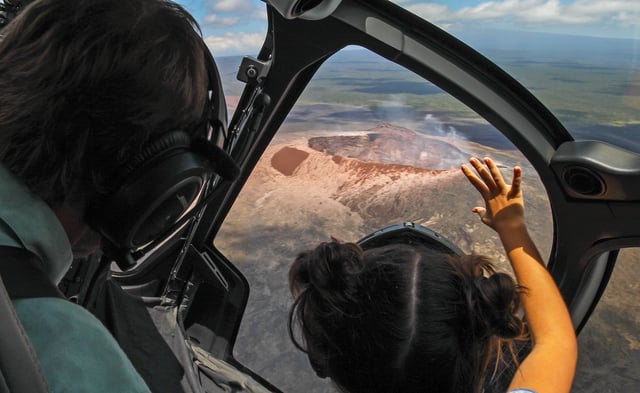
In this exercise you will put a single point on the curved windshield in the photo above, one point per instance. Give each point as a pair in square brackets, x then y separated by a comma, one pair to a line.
[368, 144]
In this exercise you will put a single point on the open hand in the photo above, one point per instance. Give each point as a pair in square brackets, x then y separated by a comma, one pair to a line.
[504, 205]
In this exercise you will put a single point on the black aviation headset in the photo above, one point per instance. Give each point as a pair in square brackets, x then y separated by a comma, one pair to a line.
[412, 234]
[165, 183]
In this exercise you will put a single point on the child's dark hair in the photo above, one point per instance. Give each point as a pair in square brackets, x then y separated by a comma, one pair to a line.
[400, 318]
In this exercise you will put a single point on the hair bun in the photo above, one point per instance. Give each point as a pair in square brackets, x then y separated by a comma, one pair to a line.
[493, 299]
[499, 301]
[331, 269]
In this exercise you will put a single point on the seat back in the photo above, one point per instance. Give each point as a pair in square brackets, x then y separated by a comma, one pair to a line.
[19, 367]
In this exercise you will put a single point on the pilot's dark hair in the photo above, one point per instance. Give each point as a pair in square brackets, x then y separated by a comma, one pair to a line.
[400, 318]
[84, 84]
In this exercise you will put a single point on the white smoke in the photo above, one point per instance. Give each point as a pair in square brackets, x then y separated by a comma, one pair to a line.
[432, 125]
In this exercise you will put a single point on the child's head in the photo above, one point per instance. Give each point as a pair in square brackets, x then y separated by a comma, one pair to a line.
[400, 318]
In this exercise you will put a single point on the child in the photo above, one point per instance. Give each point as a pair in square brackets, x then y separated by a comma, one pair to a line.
[403, 318]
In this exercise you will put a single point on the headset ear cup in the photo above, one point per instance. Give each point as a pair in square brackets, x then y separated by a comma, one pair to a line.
[157, 187]
[171, 140]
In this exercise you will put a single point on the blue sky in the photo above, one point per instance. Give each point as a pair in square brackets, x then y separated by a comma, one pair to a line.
[238, 26]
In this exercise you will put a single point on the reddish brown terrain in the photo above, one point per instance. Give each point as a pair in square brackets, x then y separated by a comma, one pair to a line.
[308, 187]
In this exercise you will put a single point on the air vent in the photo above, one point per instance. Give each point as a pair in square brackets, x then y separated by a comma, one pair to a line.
[584, 181]
[304, 9]
[305, 5]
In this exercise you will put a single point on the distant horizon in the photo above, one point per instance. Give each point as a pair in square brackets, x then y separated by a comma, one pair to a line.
[236, 27]
[488, 38]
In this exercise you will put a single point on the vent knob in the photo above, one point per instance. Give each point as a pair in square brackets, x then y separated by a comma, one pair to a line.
[584, 181]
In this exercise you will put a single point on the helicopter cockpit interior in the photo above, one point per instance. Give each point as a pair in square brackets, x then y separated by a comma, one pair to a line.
[350, 119]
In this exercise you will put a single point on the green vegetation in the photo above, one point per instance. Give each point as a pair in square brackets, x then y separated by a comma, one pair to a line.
[578, 93]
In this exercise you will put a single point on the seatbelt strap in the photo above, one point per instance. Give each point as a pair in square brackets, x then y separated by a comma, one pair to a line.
[23, 275]
[18, 361]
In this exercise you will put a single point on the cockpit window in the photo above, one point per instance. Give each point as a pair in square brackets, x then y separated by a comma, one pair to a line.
[368, 144]
[580, 59]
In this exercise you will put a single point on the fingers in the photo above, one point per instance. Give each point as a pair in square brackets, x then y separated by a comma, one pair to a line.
[517, 181]
[489, 178]
[495, 173]
[486, 180]
[485, 174]
[480, 211]
[475, 181]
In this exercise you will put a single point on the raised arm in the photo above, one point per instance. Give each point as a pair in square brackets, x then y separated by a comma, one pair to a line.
[550, 366]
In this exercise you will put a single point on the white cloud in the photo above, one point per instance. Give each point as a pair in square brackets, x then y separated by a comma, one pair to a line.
[576, 12]
[628, 19]
[553, 11]
[432, 12]
[259, 14]
[216, 21]
[626, 11]
[238, 11]
[233, 5]
[235, 43]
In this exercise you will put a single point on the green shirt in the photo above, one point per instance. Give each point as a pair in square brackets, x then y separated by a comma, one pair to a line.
[27, 222]
[75, 351]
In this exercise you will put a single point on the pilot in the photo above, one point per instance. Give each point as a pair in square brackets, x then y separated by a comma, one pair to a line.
[85, 86]
[405, 318]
